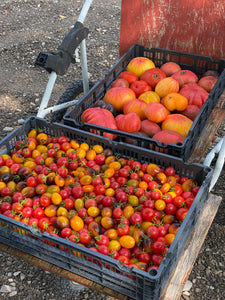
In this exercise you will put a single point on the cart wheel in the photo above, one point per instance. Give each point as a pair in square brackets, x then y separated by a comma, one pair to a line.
[68, 287]
[70, 94]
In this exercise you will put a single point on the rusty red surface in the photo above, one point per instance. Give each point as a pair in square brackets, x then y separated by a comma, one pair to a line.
[193, 26]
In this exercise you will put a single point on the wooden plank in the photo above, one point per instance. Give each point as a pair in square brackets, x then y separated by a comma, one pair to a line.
[193, 26]
[183, 269]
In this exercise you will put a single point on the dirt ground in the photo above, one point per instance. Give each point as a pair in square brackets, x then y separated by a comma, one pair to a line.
[31, 26]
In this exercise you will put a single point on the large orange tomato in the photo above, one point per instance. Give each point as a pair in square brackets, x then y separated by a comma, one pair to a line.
[177, 122]
[139, 65]
[156, 112]
[118, 96]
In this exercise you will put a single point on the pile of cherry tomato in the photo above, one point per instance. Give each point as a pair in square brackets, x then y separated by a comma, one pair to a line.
[119, 207]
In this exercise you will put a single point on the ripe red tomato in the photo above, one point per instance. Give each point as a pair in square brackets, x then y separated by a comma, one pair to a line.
[31, 181]
[123, 229]
[153, 232]
[38, 212]
[45, 201]
[85, 237]
[5, 206]
[102, 240]
[145, 257]
[148, 214]
[123, 259]
[136, 218]
[27, 212]
[178, 201]
[139, 87]
[181, 213]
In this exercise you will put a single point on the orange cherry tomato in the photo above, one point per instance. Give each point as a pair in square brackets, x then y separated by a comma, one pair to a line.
[35, 153]
[174, 227]
[110, 192]
[143, 185]
[59, 154]
[2, 185]
[128, 211]
[49, 161]
[111, 234]
[106, 212]
[84, 146]
[93, 211]
[31, 145]
[188, 185]
[107, 222]
[169, 238]
[30, 164]
[42, 138]
[62, 211]
[153, 169]
[109, 172]
[42, 148]
[56, 198]
[114, 245]
[90, 154]
[78, 204]
[59, 180]
[88, 188]
[51, 210]
[53, 189]
[69, 181]
[161, 177]
[160, 204]
[32, 133]
[86, 179]
[76, 223]
[110, 159]
[165, 187]
[98, 149]
[18, 158]
[116, 165]
[127, 241]
[74, 144]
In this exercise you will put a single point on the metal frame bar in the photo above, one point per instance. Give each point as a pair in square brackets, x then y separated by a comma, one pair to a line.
[43, 110]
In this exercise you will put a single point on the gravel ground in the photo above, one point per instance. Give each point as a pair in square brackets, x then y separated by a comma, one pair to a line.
[31, 26]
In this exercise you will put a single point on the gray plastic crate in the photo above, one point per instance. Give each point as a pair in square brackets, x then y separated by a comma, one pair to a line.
[79, 260]
[196, 63]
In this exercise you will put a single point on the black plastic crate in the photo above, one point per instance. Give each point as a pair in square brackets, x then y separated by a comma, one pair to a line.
[79, 260]
[196, 63]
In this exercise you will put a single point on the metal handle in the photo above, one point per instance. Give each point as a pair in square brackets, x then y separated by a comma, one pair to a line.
[219, 148]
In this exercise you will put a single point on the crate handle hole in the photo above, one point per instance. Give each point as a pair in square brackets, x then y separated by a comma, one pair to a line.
[153, 272]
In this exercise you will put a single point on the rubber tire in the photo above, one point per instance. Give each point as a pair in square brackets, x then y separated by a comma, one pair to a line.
[70, 94]
[68, 287]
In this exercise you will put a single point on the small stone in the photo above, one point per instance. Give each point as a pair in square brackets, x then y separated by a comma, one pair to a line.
[8, 129]
[5, 289]
[198, 290]
[20, 121]
[12, 294]
[16, 273]
[13, 284]
[10, 280]
[22, 276]
[188, 286]
[9, 274]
